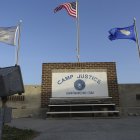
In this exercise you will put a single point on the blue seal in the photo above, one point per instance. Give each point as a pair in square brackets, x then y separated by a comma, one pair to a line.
[79, 84]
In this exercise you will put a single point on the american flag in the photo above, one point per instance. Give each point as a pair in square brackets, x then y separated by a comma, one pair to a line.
[71, 8]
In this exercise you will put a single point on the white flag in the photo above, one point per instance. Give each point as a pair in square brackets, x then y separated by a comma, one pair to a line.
[8, 35]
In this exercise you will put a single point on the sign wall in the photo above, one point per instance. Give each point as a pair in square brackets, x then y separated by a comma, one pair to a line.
[79, 84]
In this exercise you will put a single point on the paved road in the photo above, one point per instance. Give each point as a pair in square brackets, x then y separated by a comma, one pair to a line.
[83, 129]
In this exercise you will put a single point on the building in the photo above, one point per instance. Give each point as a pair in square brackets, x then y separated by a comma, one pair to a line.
[34, 102]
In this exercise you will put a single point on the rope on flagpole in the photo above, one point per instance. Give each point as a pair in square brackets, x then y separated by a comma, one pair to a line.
[18, 47]
[78, 32]
[136, 33]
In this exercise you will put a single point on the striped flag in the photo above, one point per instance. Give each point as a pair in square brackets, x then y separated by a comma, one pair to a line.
[70, 7]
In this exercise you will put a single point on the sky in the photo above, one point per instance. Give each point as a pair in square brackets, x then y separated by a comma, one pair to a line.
[48, 37]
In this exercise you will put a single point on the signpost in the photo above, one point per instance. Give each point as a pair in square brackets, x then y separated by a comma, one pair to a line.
[2, 115]
[10, 83]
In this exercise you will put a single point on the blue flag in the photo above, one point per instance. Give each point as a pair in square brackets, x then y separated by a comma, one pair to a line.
[122, 33]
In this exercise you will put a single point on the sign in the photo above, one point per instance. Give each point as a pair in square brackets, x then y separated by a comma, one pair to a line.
[11, 81]
[79, 84]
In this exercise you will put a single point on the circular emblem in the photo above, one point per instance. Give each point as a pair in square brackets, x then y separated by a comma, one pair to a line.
[79, 84]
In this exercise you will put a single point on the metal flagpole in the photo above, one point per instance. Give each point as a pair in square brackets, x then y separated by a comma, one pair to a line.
[18, 47]
[78, 27]
[136, 33]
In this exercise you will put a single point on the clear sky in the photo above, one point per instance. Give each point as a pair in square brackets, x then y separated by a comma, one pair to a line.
[47, 37]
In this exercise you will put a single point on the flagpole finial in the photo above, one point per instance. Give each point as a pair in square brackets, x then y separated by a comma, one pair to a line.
[134, 18]
[20, 21]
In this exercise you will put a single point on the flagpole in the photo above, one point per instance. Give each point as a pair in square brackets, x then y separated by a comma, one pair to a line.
[18, 47]
[78, 33]
[136, 33]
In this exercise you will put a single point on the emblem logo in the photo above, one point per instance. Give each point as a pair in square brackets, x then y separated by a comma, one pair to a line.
[125, 32]
[79, 84]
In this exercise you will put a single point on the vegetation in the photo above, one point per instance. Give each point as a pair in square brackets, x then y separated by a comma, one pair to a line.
[12, 133]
